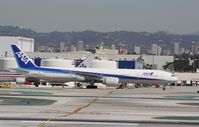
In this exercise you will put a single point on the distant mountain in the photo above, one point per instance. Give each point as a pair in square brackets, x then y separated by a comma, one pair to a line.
[196, 33]
[125, 39]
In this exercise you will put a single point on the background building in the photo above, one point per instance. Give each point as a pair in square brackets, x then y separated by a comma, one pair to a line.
[156, 49]
[158, 61]
[137, 49]
[176, 48]
[113, 47]
[26, 44]
[194, 48]
[80, 46]
[166, 52]
[73, 48]
[62, 46]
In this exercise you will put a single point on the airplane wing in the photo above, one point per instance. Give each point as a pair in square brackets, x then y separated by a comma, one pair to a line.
[89, 76]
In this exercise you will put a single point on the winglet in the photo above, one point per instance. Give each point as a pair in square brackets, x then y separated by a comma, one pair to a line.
[21, 58]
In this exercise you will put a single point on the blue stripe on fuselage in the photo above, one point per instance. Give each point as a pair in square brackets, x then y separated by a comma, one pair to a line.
[61, 71]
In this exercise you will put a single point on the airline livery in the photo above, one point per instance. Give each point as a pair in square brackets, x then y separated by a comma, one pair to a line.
[112, 77]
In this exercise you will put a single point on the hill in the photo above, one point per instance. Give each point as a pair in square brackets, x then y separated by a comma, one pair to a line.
[126, 39]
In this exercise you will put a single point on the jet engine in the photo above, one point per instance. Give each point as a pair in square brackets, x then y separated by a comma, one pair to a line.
[110, 81]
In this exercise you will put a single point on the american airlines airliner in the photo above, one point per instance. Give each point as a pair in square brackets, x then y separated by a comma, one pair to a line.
[112, 77]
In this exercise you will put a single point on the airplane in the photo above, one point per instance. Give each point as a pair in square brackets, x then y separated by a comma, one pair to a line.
[112, 77]
[86, 62]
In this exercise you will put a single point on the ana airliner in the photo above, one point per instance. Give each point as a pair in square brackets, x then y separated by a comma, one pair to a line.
[90, 75]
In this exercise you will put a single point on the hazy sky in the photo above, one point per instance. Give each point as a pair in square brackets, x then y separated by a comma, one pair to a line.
[179, 16]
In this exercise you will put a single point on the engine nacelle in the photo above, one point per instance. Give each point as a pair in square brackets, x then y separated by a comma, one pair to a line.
[110, 81]
[20, 80]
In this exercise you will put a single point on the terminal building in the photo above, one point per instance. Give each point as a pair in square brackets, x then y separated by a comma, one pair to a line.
[123, 61]
[6, 60]
[26, 44]
[158, 61]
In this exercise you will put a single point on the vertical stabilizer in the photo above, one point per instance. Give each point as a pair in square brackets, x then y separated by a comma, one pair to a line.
[21, 58]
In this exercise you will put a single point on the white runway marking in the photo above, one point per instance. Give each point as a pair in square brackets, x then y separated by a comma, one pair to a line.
[85, 123]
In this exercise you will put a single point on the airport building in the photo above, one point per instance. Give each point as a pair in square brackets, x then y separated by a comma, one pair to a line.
[106, 51]
[137, 49]
[26, 44]
[6, 60]
[7, 63]
[158, 61]
[187, 78]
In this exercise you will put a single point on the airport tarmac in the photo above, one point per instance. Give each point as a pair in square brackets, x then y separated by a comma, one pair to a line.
[62, 107]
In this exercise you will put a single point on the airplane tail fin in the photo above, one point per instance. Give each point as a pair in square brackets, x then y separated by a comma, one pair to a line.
[21, 58]
[87, 61]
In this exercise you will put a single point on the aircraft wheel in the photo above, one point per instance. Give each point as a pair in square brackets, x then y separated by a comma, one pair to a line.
[36, 84]
[91, 87]
[120, 87]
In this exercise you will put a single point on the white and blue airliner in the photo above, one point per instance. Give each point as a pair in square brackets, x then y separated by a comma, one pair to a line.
[112, 77]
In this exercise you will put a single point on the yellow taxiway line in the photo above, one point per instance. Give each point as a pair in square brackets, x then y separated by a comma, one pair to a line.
[78, 109]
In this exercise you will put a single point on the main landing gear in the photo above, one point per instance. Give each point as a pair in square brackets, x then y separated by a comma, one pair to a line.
[121, 86]
[92, 85]
[164, 87]
[36, 83]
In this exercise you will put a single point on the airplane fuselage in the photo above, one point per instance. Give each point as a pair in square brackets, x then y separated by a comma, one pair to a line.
[124, 75]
